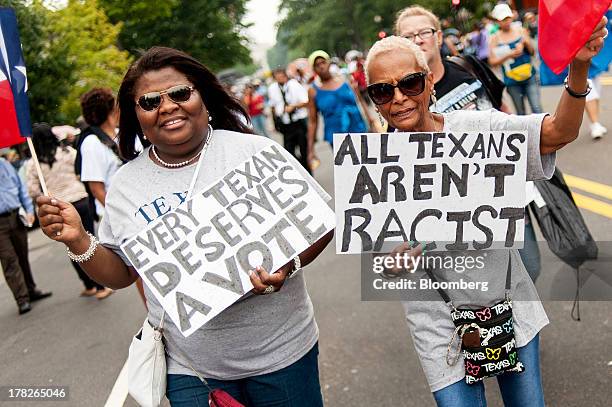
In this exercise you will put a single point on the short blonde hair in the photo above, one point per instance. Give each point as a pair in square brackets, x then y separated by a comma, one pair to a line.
[416, 11]
[395, 44]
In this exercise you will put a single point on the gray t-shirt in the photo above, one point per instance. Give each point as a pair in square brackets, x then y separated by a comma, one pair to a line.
[256, 335]
[430, 323]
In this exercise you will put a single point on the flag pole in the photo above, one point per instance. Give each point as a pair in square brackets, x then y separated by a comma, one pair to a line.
[37, 165]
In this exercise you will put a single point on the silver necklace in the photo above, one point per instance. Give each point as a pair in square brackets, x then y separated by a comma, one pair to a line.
[184, 163]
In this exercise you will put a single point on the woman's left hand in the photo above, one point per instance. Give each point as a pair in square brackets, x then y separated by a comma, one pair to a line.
[262, 280]
[594, 43]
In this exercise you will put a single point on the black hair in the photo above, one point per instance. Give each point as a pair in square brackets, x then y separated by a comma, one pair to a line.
[225, 110]
[96, 105]
[45, 143]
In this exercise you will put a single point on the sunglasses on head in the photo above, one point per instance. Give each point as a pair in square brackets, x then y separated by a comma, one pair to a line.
[410, 85]
[152, 100]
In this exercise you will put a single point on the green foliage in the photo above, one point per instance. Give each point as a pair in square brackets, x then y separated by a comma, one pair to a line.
[281, 54]
[340, 25]
[50, 74]
[209, 30]
[95, 59]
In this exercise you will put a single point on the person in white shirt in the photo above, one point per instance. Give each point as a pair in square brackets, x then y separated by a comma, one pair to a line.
[98, 153]
[289, 99]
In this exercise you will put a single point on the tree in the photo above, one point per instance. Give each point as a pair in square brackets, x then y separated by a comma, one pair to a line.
[338, 26]
[91, 41]
[50, 73]
[209, 30]
[281, 54]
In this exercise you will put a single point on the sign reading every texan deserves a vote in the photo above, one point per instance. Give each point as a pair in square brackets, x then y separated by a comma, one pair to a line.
[196, 258]
[459, 190]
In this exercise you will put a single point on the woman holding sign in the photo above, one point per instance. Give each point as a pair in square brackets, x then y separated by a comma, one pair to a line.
[262, 349]
[402, 87]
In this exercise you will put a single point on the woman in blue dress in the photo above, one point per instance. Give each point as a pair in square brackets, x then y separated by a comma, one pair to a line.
[342, 109]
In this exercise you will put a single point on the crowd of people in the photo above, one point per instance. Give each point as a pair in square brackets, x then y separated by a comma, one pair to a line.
[139, 148]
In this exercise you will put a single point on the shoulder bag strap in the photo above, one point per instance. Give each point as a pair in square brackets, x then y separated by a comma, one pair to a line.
[509, 276]
[463, 64]
[467, 64]
[189, 194]
[285, 101]
[442, 293]
[508, 286]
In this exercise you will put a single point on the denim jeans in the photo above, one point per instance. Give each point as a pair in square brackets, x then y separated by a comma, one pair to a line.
[259, 125]
[517, 389]
[529, 89]
[530, 253]
[296, 385]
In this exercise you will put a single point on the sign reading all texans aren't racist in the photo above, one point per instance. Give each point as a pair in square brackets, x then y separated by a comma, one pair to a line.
[196, 258]
[459, 190]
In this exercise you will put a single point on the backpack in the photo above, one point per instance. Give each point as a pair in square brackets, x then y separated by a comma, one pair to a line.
[493, 86]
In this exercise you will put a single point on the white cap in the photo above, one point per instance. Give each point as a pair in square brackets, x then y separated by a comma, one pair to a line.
[501, 12]
[62, 132]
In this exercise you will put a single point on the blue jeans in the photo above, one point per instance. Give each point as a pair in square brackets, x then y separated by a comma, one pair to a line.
[517, 389]
[296, 385]
[530, 253]
[529, 89]
[259, 125]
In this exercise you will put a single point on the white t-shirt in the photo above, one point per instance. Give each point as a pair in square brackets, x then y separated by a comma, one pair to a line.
[294, 94]
[259, 334]
[98, 164]
[430, 322]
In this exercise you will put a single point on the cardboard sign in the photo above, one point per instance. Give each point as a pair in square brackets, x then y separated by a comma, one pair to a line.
[196, 258]
[464, 189]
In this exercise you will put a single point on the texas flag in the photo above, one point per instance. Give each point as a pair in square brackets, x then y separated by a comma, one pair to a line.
[564, 27]
[15, 121]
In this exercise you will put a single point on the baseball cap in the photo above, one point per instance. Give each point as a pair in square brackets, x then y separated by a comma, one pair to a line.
[501, 12]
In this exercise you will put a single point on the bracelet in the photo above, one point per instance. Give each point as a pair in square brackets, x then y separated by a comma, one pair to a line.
[297, 265]
[575, 94]
[82, 258]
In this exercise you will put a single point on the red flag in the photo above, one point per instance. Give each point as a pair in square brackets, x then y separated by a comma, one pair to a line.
[14, 107]
[564, 27]
[9, 128]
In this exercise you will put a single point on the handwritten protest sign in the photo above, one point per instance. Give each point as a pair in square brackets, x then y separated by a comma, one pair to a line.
[196, 258]
[464, 189]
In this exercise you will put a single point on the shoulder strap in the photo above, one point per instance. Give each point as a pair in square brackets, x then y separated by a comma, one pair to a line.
[442, 293]
[107, 141]
[492, 85]
[447, 299]
[285, 100]
[463, 64]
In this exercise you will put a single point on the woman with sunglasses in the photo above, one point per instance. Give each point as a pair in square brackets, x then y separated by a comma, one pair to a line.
[263, 349]
[401, 85]
[336, 100]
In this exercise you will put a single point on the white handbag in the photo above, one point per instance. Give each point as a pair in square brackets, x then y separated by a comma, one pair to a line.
[147, 355]
[147, 365]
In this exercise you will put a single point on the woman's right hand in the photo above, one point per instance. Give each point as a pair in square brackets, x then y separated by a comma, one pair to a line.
[59, 220]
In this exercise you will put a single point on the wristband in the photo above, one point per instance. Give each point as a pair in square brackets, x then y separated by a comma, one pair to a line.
[573, 93]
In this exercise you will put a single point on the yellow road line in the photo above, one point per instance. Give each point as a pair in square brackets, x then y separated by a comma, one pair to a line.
[606, 80]
[593, 205]
[603, 190]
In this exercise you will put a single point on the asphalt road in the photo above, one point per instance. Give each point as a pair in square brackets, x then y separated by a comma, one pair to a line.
[366, 355]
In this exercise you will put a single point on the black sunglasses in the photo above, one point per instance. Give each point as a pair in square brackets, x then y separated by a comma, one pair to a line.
[410, 85]
[152, 100]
